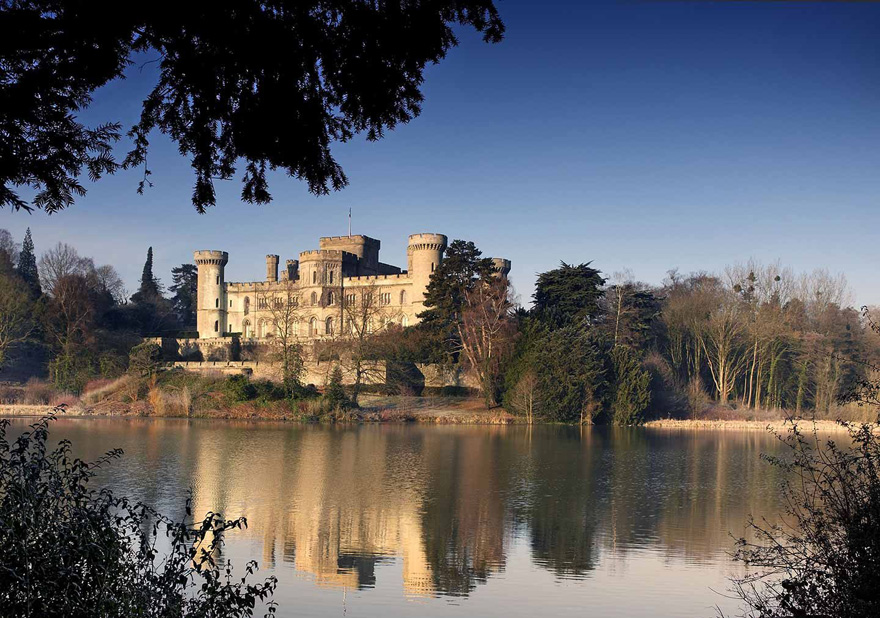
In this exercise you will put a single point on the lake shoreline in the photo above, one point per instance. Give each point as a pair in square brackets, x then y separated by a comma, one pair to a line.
[462, 413]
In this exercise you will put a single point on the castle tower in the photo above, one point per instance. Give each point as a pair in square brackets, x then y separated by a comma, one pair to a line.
[501, 266]
[211, 298]
[424, 254]
[271, 268]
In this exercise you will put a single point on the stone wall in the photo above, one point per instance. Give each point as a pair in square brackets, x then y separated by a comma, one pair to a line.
[318, 373]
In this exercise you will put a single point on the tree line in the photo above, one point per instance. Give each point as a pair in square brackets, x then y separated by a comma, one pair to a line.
[591, 348]
[612, 349]
[75, 317]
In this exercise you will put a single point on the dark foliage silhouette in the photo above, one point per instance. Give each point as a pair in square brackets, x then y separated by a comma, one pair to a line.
[69, 550]
[272, 84]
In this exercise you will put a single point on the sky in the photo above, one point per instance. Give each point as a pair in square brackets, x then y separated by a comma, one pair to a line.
[642, 135]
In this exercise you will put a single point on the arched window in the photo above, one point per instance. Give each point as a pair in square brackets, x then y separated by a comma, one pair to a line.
[313, 327]
[314, 298]
[331, 277]
[216, 326]
[294, 329]
[246, 329]
[403, 297]
[404, 321]
[262, 330]
[217, 303]
[314, 276]
[328, 326]
[247, 305]
[330, 298]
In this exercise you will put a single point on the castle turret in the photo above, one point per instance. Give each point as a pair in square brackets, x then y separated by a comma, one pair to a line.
[424, 254]
[501, 266]
[211, 298]
[271, 268]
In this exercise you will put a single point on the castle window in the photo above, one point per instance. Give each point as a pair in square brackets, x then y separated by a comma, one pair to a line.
[368, 300]
[216, 326]
[330, 298]
[314, 298]
[403, 297]
[247, 305]
[385, 298]
[328, 326]
[432, 266]
[331, 277]
[314, 276]
[278, 302]
[313, 327]
[218, 279]
[404, 321]
[246, 328]
[217, 303]
[261, 303]
[350, 300]
[230, 303]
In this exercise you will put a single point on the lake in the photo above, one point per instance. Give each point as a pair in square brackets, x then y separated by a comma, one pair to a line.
[398, 520]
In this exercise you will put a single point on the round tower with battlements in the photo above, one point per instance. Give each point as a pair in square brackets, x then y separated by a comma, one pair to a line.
[501, 266]
[211, 298]
[424, 254]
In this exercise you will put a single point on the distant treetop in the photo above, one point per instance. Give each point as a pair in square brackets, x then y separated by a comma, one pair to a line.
[270, 84]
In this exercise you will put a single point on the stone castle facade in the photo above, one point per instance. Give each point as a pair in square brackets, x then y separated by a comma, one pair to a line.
[344, 272]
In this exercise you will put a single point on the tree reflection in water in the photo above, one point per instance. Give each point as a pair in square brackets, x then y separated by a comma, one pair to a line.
[447, 502]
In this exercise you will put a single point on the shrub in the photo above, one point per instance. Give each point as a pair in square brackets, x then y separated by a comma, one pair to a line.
[823, 559]
[88, 553]
[238, 388]
[334, 395]
[266, 390]
[37, 392]
[145, 359]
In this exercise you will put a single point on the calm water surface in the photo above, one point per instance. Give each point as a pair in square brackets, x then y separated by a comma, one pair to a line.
[457, 521]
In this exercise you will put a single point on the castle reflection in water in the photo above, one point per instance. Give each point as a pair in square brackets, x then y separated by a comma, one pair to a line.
[446, 503]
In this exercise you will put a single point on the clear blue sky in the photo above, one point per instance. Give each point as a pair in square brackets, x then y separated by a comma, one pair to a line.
[644, 135]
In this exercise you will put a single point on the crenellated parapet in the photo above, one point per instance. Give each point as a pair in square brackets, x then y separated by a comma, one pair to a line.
[214, 258]
[426, 242]
[501, 266]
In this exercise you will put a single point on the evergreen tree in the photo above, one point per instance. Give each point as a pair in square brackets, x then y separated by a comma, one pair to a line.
[27, 264]
[630, 389]
[150, 290]
[568, 295]
[185, 288]
[462, 267]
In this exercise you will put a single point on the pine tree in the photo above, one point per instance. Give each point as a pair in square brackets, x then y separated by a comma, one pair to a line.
[27, 264]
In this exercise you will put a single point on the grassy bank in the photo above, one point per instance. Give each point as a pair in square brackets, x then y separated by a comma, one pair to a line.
[180, 394]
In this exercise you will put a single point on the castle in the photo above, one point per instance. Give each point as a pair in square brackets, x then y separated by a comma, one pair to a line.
[344, 272]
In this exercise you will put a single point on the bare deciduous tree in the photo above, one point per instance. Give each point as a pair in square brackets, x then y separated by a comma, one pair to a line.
[486, 333]
[59, 262]
[354, 341]
[281, 305]
[16, 323]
